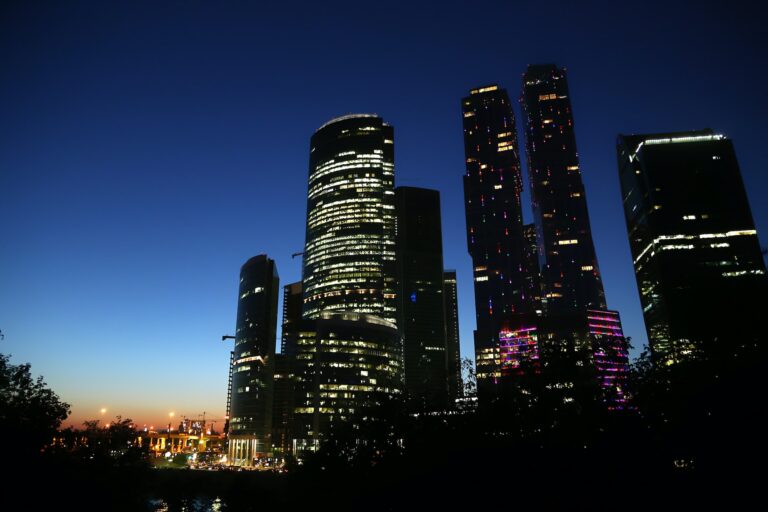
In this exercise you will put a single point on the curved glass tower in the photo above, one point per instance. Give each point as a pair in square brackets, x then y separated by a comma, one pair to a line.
[349, 253]
[253, 365]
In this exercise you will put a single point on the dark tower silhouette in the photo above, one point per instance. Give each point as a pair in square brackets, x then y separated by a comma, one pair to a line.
[569, 269]
[253, 362]
[452, 344]
[492, 187]
[699, 268]
[421, 306]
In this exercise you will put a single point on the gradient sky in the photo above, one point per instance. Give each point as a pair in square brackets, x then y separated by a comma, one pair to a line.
[147, 151]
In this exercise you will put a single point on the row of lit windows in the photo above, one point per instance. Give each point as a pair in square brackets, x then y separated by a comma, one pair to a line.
[361, 184]
[664, 238]
[333, 166]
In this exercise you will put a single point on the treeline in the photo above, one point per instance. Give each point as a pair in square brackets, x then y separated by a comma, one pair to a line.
[693, 436]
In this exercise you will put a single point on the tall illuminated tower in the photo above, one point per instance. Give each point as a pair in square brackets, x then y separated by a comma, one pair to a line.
[349, 253]
[694, 246]
[253, 362]
[348, 356]
[492, 187]
[569, 269]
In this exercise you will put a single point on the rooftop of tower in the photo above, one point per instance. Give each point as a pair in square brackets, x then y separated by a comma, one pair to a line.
[485, 88]
[344, 118]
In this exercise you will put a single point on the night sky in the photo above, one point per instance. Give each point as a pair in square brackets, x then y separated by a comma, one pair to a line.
[147, 151]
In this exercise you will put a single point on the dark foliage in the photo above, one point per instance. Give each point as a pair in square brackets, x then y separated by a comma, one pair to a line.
[30, 412]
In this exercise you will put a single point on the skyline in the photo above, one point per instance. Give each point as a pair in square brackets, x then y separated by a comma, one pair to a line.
[135, 160]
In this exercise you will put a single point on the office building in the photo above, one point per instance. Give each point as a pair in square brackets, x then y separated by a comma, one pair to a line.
[349, 254]
[569, 270]
[292, 306]
[253, 362]
[348, 375]
[492, 187]
[347, 347]
[698, 263]
[452, 344]
[421, 305]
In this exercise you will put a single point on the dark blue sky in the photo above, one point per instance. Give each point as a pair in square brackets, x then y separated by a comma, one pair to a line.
[147, 151]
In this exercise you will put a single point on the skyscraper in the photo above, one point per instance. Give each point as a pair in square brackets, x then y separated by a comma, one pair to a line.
[697, 258]
[452, 345]
[569, 269]
[349, 253]
[252, 368]
[292, 305]
[421, 306]
[285, 371]
[348, 352]
[492, 187]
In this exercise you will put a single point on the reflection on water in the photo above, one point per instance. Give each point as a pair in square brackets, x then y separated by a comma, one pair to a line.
[188, 505]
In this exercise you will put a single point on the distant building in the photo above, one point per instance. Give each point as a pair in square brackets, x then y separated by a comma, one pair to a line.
[292, 305]
[492, 187]
[285, 371]
[421, 305]
[610, 356]
[694, 246]
[348, 375]
[253, 362]
[569, 270]
[452, 344]
[349, 255]
[283, 404]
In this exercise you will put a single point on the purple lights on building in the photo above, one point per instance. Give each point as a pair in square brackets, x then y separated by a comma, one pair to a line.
[611, 358]
[518, 349]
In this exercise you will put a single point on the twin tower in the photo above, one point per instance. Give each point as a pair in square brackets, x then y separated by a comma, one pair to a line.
[374, 320]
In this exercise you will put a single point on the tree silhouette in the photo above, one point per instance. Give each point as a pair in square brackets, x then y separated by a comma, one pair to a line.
[30, 412]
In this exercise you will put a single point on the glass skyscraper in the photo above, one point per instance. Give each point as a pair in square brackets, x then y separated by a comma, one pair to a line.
[347, 347]
[349, 253]
[421, 306]
[699, 267]
[569, 269]
[452, 344]
[253, 362]
[348, 367]
[492, 187]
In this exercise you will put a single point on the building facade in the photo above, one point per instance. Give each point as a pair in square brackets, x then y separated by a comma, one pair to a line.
[695, 250]
[292, 306]
[348, 371]
[452, 340]
[349, 255]
[492, 188]
[532, 259]
[253, 362]
[569, 270]
[421, 305]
